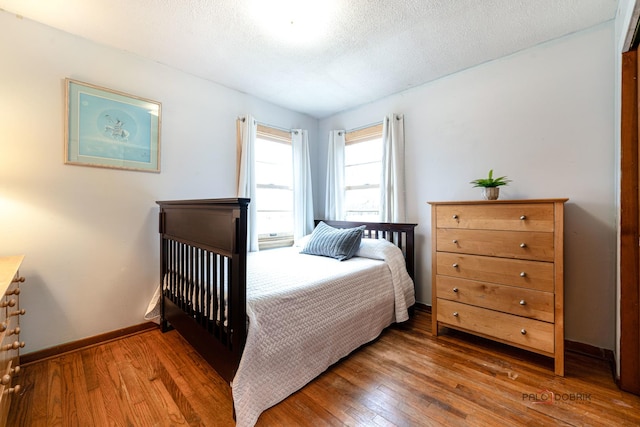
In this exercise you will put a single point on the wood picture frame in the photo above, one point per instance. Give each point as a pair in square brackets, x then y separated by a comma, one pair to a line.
[110, 129]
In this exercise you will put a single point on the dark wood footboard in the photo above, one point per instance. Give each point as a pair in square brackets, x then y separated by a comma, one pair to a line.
[203, 250]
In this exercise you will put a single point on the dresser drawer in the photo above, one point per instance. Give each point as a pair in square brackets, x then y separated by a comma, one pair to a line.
[13, 328]
[533, 245]
[519, 301]
[513, 272]
[10, 343]
[5, 355]
[11, 339]
[517, 330]
[515, 217]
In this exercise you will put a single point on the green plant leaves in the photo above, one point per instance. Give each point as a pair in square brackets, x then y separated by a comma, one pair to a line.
[490, 181]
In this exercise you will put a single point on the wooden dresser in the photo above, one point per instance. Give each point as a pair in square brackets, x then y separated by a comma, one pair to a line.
[498, 272]
[10, 343]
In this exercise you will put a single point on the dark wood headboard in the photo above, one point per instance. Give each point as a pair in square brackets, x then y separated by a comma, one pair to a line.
[400, 234]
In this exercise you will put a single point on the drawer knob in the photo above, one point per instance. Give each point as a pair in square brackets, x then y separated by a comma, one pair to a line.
[15, 331]
[15, 291]
[523, 274]
[18, 280]
[455, 314]
[6, 379]
[3, 326]
[13, 390]
[10, 303]
[523, 217]
[455, 290]
[523, 331]
[16, 345]
[455, 216]
[455, 241]
[523, 245]
[18, 313]
[455, 265]
[523, 302]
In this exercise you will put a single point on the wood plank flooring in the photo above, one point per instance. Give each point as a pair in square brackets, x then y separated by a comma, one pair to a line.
[405, 378]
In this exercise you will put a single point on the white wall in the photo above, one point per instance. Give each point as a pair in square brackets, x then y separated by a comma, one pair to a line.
[545, 118]
[90, 234]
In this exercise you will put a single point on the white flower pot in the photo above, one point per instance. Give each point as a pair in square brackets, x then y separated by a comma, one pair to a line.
[490, 193]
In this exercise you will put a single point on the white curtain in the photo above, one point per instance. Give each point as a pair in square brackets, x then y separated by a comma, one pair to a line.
[302, 189]
[334, 202]
[248, 128]
[392, 184]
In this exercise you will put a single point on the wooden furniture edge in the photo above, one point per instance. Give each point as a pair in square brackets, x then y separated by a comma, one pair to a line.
[9, 265]
[434, 295]
[498, 202]
[629, 229]
[558, 263]
[47, 353]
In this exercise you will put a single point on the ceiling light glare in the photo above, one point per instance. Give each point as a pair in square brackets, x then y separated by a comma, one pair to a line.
[294, 21]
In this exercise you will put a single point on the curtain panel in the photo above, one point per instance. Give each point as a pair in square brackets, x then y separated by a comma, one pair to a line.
[334, 192]
[247, 130]
[392, 183]
[302, 188]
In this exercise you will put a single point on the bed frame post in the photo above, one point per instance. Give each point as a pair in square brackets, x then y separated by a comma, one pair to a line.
[238, 310]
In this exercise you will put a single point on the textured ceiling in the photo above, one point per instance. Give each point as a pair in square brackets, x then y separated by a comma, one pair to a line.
[318, 57]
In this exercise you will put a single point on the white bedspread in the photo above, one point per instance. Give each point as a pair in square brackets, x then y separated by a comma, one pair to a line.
[309, 313]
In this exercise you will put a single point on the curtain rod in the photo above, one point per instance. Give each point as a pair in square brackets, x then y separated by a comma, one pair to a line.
[276, 127]
[365, 126]
[398, 117]
[242, 119]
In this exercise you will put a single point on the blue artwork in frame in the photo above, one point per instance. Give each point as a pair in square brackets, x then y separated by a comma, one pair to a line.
[111, 129]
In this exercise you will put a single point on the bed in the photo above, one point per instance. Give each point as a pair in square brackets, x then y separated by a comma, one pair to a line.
[266, 327]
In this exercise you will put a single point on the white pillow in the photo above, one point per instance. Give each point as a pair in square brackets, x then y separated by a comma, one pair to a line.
[302, 241]
[373, 248]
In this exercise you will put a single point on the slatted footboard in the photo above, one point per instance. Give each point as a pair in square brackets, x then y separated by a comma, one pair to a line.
[203, 250]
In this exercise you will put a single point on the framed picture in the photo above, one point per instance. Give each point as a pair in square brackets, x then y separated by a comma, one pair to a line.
[111, 129]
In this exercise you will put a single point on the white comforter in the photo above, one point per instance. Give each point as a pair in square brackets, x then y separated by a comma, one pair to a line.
[307, 312]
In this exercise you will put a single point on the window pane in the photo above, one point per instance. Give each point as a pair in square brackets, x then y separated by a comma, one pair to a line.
[363, 200]
[273, 174]
[273, 163]
[274, 199]
[273, 152]
[362, 216]
[270, 223]
[363, 152]
[363, 166]
[274, 167]
[365, 174]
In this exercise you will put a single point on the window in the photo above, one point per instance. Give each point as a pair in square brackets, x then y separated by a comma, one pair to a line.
[363, 170]
[274, 187]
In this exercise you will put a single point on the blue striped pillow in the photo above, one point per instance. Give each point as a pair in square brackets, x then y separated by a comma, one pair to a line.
[338, 243]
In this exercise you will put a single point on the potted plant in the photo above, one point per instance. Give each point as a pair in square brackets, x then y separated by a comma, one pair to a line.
[490, 185]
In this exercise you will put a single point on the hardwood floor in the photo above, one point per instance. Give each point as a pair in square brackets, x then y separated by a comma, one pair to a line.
[405, 378]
